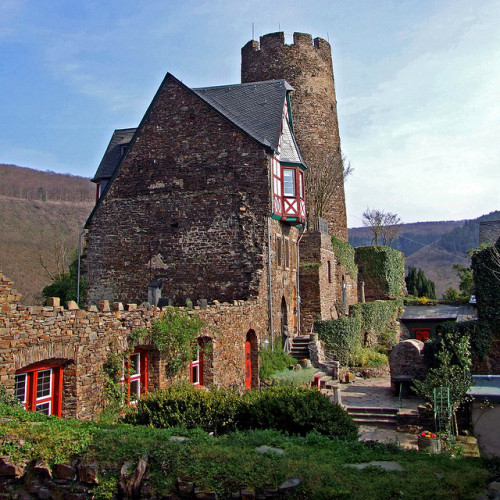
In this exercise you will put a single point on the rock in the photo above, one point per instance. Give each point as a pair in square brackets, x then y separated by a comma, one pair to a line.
[71, 305]
[184, 486]
[289, 485]
[205, 495]
[42, 470]
[382, 464]
[88, 473]
[266, 449]
[178, 439]
[247, 495]
[130, 483]
[8, 469]
[494, 490]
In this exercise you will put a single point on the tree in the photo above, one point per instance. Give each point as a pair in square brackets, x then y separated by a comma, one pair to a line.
[64, 285]
[418, 285]
[466, 279]
[324, 181]
[385, 226]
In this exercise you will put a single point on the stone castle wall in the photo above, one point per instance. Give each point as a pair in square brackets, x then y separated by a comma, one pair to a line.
[198, 222]
[307, 66]
[81, 340]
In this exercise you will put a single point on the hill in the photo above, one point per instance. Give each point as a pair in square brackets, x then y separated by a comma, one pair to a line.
[433, 246]
[41, 215]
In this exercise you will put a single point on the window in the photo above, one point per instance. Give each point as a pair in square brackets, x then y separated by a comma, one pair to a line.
[196, 367]
[289, 181]
[278, 251]
[329, 271]
[40, 389]
[134, 377]
[301, 185]
[287, 253]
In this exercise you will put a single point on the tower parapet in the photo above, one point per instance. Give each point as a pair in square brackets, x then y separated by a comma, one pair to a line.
[307, 66]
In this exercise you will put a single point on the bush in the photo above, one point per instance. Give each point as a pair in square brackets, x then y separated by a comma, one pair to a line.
[294, 377]
[295, 410]
[288, 409]
[340, 336]
[274, 360]
[365, 357]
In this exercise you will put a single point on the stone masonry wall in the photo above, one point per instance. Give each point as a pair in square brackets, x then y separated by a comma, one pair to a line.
[307, 66]
[80, 340]
[197, 221]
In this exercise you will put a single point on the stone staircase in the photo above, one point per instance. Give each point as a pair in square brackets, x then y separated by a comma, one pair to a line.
[300, 349]
[380, 417]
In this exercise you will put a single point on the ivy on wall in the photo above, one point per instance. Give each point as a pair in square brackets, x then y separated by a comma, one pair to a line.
[381, 268]
[340, 336]
[486, 270]
[345, 255]
[379, 316]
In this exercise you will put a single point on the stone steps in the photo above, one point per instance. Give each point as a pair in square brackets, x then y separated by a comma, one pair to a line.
[383, 417]
[300, 349]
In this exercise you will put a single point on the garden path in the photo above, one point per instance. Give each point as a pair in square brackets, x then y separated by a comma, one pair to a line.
[376, 392]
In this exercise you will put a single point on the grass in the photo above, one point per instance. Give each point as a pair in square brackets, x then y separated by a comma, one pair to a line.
[294, 377]
[228, 463]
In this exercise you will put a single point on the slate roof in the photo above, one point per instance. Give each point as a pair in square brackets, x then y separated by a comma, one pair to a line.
[120, 137]
[439, 312]
[256, 108]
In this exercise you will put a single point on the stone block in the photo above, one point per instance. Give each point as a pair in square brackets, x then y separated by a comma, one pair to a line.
[53, 302]
[71, 305]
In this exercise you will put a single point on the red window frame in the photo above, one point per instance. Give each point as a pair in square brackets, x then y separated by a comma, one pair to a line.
[196, 366]
[134, 382]
[42, 388]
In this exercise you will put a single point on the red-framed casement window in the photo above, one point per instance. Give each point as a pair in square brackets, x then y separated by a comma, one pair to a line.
[293, 182]
[288, 192]
[196, 367]
[39, 388]
[134, 377]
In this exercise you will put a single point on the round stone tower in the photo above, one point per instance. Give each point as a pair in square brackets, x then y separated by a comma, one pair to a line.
[307, 66]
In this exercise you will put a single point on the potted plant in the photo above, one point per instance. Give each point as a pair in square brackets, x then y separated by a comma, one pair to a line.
[429, 442]
[350, 377]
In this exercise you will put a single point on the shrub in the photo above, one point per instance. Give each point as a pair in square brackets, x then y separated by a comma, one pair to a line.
[340, 336]
[274, 360]
[293, 377]
[295, 410]
[289, 409]
[365, 357]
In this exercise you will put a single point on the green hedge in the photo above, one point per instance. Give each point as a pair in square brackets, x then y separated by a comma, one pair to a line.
[289, 409]
[381, 268]
[345, 255]
[486, 272]
[340, 336]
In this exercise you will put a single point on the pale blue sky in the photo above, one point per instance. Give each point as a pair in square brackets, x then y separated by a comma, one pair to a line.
[417, 85]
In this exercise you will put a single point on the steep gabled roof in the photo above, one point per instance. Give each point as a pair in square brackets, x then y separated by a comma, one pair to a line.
[256, 107]
[120, 137]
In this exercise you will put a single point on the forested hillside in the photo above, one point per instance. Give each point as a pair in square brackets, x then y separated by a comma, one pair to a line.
[41, 215]
[433, 246]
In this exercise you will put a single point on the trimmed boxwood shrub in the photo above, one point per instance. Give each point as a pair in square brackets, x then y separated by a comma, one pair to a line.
[289, 409]
[339, 336]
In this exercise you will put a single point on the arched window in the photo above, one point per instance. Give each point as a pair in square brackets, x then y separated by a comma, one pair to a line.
[39, 388]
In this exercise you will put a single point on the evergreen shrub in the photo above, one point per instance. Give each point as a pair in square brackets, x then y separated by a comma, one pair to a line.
[289, 409]
[274, 360]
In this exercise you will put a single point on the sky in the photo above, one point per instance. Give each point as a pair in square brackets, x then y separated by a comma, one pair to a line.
[417, 85]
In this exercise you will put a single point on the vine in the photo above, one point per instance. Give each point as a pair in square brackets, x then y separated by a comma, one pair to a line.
[344, 252]
[381, 268]
[174, 335]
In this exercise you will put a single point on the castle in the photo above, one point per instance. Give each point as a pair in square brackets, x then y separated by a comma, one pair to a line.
[204, 205]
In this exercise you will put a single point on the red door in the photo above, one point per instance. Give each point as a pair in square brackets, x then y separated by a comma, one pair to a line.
[422, 334]
[248, 366]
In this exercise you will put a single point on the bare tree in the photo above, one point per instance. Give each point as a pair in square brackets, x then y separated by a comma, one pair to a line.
[323, 182]
[385, 226]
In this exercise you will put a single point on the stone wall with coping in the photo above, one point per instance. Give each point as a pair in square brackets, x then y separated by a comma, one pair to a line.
[81, 340]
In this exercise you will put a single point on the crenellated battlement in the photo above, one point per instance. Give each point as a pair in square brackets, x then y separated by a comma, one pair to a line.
[276, 42]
